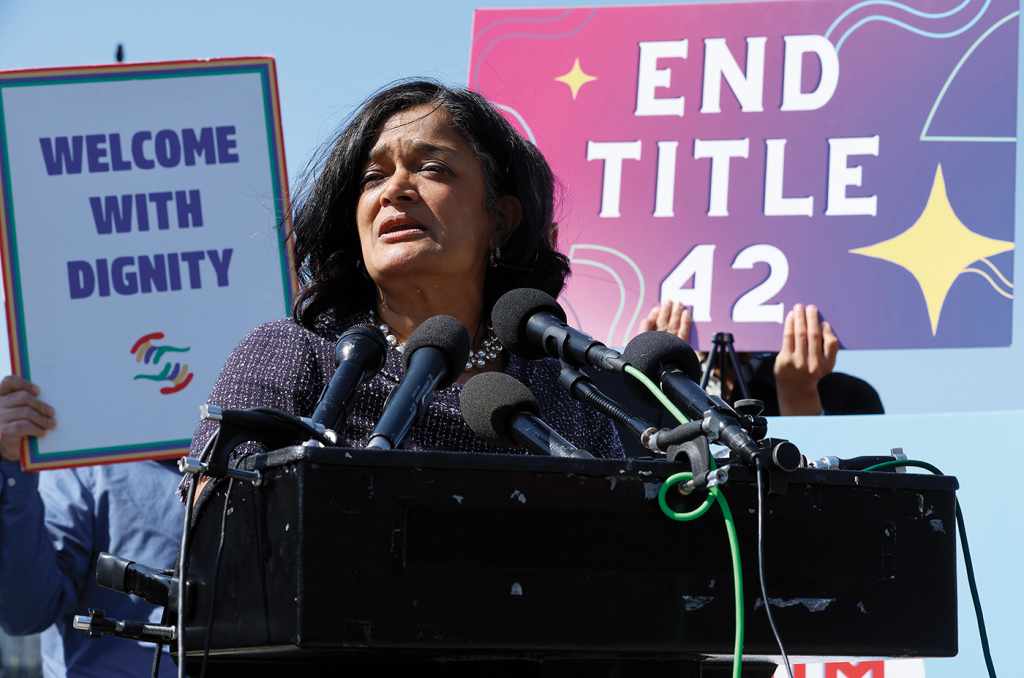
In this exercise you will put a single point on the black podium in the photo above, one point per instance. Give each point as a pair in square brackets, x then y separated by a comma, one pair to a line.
[343, 561]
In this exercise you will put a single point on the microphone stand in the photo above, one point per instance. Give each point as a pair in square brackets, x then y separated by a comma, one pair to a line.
[722, 356]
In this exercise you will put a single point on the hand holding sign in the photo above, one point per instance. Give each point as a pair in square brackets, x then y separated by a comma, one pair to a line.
[809, 349]
[672, 317]
[21, 414]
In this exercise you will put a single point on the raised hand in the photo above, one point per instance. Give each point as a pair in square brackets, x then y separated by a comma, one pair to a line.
[808, 353]
[671, 317]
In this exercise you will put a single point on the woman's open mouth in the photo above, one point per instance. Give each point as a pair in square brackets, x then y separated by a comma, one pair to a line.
[410, 232]
[400, 230]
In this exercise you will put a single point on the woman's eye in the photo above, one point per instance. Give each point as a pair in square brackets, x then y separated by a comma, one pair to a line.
[371, 178]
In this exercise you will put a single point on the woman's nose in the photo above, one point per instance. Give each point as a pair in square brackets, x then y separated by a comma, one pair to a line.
[399, 188]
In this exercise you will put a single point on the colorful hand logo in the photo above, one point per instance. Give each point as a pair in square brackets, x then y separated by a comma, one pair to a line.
[177, 373]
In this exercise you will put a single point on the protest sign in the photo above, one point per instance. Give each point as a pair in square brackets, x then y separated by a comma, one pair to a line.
[144, 222]
[745, 157]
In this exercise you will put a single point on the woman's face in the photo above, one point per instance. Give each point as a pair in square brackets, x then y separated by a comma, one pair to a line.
[422, 208]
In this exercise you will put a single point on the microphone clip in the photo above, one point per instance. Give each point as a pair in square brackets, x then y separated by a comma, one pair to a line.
[698, 454]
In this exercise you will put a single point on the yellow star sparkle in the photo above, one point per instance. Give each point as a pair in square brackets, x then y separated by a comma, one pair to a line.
[576, 78]
[935, 249]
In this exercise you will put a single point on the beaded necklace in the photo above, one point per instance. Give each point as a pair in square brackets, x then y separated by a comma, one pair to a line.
[489, 351]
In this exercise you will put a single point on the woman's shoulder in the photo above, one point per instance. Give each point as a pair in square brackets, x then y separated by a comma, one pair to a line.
[283, 332]
[280, 328]
[273, 366]
[286, 339]
[278, 343]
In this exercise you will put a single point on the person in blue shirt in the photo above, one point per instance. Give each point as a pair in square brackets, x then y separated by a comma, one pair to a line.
[54, 523]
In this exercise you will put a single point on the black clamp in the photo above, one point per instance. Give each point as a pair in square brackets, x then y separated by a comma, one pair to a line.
[698, 454]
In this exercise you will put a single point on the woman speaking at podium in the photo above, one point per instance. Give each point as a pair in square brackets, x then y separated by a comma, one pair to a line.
[428, 202]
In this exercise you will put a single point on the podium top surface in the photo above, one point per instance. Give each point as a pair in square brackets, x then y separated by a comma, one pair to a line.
[648, 470]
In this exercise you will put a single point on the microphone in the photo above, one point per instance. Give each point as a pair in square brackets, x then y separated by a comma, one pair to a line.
[669, 360]
[360, 353]
[583, 389]
[500, 408]
[159, 587]
[434, 357]
[530, 323]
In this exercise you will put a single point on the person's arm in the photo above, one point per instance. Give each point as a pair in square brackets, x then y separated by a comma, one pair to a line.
[45, 546]
[809, 349]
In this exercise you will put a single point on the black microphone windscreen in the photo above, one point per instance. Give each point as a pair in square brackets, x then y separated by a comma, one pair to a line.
[490, 399]
[651, 352]
[513, 310]
[446, 334]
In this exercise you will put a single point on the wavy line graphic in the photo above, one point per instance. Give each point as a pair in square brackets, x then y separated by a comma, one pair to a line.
[925, 136]
[474, 76]
[622, 292]
[990, 281]
[520, 20]
[902, 24]
[895, 5]
[995, 269]
[641, 282]
[519, 118]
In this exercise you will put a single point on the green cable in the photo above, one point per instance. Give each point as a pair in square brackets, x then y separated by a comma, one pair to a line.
[690, 515]
[737, 583]
[713, 495]
[656, 392]
[905, 462]
[734, 549]
[968, 564]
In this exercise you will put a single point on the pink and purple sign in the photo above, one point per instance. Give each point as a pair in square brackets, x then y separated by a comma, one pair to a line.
[742, 158]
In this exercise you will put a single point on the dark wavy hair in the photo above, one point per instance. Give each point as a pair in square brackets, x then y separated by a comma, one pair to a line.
[328, 256]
